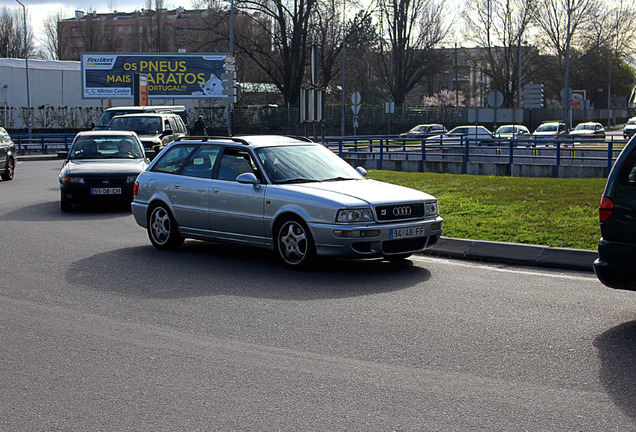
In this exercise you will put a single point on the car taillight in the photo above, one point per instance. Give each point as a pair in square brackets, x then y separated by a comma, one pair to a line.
[605, 209]
[136, 188]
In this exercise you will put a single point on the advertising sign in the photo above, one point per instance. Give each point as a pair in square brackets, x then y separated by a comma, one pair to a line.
[170, 75]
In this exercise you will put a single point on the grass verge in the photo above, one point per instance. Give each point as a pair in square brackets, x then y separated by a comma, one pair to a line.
[540, 211]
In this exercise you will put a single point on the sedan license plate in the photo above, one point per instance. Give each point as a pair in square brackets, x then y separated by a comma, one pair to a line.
[106, 191]
[399, 233]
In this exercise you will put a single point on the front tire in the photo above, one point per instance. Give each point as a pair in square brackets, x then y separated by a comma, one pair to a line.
[163, 230]
[9, 171]
[294, 244]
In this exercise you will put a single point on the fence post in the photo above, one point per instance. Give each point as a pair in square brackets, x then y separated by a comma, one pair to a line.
[340, 147]
[466, 153]
[423, 160]
[510, 158]
[381, 152]
[42, 144]
[610, 153]
[558, 157]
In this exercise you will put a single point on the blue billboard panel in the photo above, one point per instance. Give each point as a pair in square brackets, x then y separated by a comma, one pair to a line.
[170, 75]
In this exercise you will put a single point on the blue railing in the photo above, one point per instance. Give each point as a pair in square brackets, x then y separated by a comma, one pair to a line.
[556, 152]
[42, 143]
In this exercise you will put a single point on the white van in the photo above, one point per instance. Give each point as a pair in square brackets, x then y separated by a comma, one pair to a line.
[109, 113]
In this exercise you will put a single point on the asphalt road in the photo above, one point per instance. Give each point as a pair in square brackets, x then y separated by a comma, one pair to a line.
[100, 331]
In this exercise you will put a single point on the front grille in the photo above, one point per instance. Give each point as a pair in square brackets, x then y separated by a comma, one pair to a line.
[404, 245]
[400, 211]
[105, 181]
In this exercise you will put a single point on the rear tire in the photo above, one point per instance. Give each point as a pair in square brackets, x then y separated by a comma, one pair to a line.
[163, 230]
[294, 244]
[9, 171]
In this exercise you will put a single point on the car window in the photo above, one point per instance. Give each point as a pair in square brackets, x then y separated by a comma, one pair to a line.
[627, 174]
[173, 158]
[300, 164]
[233, 163]
[105, 147]
[202, 161]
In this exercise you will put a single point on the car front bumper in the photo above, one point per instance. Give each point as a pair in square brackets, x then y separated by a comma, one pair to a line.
[86, 194]
[615, 264]
[376, 239]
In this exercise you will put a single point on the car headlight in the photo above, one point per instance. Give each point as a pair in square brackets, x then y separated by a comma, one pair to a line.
[431, 209]
[131, 179]
[354, 215]
[72, 180]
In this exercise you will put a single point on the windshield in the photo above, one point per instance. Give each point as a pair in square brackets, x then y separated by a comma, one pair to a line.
[420, 128]
[140, 125]
[506, 130]
[547, 128]
[631, 121]
[584, 127]
[112, 147]
[301, 164]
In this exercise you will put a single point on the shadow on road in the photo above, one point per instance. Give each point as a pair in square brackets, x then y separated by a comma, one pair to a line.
[50, 212]
[204, 269]
[617, 351]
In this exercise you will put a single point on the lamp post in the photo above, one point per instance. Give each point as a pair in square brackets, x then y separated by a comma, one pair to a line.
[26, 61]
[343, 69]
[230, 106]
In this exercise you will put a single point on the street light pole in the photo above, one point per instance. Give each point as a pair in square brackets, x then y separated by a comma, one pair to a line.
[26, 61]
[230, 106]
[343, 70]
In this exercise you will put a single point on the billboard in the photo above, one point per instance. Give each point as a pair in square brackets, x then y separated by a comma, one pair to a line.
[170, 75]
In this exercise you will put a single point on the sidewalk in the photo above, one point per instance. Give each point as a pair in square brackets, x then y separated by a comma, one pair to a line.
[486, 251]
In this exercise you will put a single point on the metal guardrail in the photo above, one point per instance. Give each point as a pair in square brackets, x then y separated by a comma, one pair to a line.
[557, 152]
[42, 143]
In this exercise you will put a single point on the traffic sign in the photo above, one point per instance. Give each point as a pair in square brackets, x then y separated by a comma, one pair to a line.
[355, 109]
[533, 96]
[356, 98]
[495, 98]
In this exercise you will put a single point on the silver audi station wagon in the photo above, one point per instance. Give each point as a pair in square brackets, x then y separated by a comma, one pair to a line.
[287, 194]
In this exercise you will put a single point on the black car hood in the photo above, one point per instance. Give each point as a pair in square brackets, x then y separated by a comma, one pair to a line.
[110, 166]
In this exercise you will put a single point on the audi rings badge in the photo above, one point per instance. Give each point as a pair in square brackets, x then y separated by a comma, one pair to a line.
[402, 211]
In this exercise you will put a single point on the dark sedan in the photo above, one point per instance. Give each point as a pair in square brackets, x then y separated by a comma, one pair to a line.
[101, 166]
[7, 156]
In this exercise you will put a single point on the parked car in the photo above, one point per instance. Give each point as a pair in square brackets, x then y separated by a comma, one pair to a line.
[101, 166]
[617, 212]
[155, 130]
[588, 130]
[459, 135]
[8, 156]
[512, 131]
[630, 128]
[109, 113]
[424, 131]
[550, 130]
[292, 196]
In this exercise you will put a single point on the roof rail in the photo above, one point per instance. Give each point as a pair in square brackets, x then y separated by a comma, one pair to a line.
[300, 138]
[206, 138]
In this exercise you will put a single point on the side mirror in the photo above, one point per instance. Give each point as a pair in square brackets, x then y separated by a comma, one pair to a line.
[247, 178]
[166, 133]
[361, 171]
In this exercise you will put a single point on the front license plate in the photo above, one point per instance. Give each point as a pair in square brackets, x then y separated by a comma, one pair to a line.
[398, 233]
[106, 191]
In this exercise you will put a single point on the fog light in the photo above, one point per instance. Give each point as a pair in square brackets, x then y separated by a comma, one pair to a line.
[356, 233]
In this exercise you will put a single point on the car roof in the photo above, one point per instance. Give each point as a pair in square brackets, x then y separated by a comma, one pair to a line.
[145, 107]
[106, 133]
[250, 140]
[147, 114]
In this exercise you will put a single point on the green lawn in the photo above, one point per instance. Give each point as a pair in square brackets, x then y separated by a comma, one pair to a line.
[541, 211]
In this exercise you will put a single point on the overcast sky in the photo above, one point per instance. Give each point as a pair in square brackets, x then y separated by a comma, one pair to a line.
[38, 10]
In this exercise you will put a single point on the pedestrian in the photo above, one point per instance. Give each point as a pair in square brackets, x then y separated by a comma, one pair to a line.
[199, 127]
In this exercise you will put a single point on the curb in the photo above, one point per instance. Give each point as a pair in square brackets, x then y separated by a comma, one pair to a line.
[515, 253]
[36, 157]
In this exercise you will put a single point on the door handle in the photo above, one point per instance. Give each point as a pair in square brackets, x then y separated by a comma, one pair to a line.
[176, 186]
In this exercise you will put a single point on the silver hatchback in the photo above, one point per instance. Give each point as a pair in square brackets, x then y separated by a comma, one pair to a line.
[290, 195]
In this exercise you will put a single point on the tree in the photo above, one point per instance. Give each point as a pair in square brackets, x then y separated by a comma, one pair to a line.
[12, 43]
[410, 30]
[51, 39]
[498, 26]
